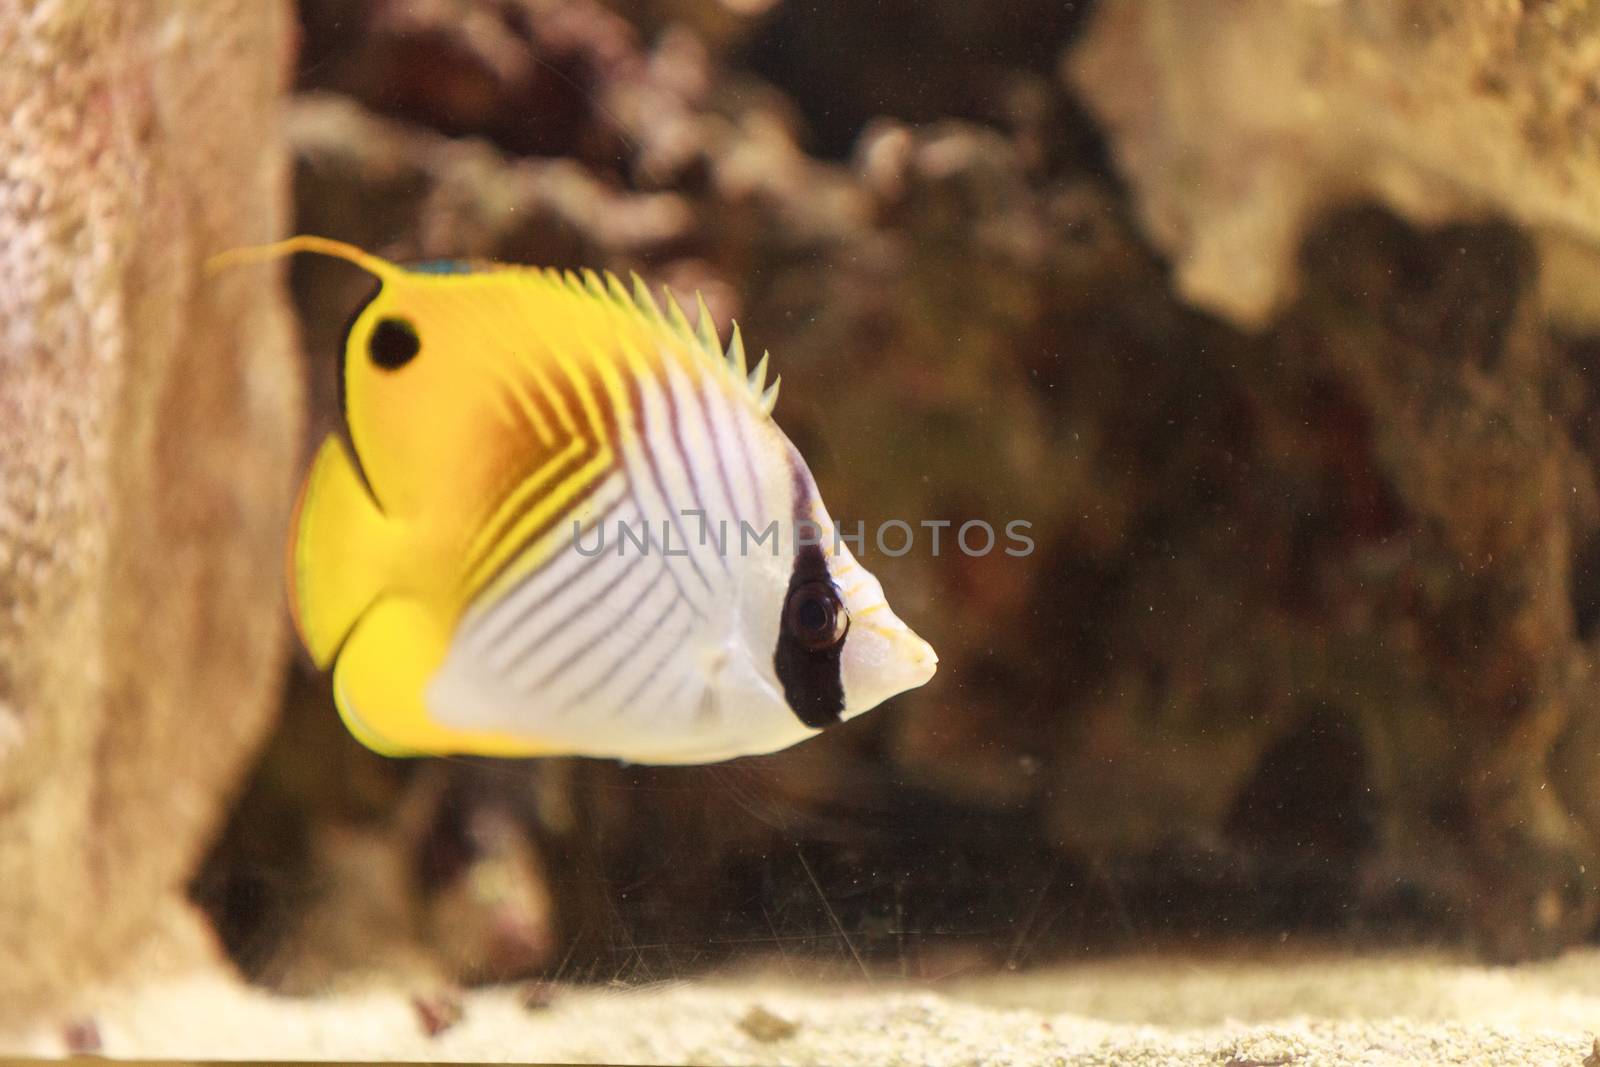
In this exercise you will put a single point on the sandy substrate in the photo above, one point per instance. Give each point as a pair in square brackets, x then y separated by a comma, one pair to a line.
[1157, 1010]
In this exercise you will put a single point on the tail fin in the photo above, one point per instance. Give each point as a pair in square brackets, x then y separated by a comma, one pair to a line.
[341, 551]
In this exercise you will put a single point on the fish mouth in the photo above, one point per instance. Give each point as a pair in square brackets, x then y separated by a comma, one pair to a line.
[922, 660]
[902, 662]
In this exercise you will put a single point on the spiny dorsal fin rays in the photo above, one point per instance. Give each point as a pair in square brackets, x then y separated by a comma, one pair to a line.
[609, 291]
[705, 340]
[680, 321]
[609, 294]
[603, 290]
[642, 298]
[574, 283]
[735, 354]
[758, 377]
[734, 358]
[710, 342]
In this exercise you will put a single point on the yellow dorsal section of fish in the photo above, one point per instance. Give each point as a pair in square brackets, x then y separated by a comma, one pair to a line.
[527, 350]
[602, 286]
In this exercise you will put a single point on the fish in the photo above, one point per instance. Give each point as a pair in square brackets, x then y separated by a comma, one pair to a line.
[498, 421]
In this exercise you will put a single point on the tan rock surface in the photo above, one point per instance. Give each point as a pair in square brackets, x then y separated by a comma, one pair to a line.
[149, 419]
[1239, 124]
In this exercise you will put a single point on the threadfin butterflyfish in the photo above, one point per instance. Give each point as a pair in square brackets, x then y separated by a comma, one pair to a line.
[500, 423]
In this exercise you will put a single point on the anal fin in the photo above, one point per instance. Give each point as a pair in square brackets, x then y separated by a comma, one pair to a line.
[381, 682]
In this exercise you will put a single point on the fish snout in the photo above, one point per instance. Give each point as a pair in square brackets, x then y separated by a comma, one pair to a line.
[883, 657]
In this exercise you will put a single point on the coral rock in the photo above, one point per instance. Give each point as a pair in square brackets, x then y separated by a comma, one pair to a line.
[1240, 124]
[149, 416]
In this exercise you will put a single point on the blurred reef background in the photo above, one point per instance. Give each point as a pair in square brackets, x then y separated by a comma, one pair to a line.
[1275, 321]
[1269, 318]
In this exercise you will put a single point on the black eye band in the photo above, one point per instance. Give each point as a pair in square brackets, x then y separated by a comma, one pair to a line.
[393, 343]
[812, 633]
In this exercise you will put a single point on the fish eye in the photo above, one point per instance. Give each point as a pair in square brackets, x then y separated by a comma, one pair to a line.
[393, 343]
[815, 616]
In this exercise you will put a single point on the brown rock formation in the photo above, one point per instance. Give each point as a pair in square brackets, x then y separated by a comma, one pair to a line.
[1240, 125]
[149, 418]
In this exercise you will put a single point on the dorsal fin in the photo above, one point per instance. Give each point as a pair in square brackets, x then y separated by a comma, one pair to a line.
[758, 377]
[675, 316]
[701, 338]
